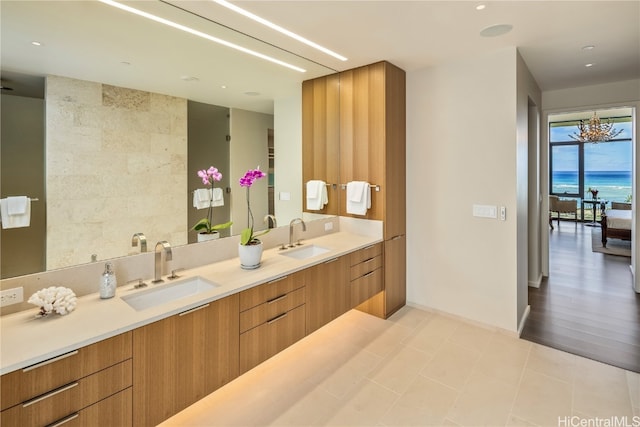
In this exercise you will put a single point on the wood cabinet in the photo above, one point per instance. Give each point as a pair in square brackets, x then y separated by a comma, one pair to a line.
[65, 387]
[321, 137]
[372, 139]
[372, 148]
[328, 293]
[366, 274]
[180, 359]
[272, 317]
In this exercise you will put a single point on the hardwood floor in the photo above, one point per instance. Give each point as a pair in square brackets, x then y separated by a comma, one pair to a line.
[587, 306]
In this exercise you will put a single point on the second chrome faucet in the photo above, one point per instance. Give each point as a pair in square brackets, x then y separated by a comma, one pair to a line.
[162, 246]
[291, 224]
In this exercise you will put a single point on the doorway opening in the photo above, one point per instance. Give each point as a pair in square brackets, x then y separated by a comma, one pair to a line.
[587, 305]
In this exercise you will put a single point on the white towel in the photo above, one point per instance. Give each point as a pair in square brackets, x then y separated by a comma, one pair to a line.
[358, 197]
[17, 220]
[201, 198]
[217, 198]
[316, 195]
[17, 205]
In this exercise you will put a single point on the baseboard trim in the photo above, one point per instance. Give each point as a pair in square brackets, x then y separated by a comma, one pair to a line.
[536, 283]
[523, 320]
[513, 334]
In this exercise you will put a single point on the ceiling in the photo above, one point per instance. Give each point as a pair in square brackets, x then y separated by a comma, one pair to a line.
[550, 36]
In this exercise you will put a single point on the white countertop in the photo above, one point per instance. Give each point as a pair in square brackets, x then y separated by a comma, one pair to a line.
[26, 340]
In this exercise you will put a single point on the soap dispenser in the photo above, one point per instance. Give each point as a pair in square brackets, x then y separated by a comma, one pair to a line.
[108, 282]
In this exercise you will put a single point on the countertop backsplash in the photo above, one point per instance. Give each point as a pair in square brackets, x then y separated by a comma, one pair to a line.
[84, 279]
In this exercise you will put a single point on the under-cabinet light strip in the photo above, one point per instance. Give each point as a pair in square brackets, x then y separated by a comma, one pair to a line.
[278, 28]
[200, 34]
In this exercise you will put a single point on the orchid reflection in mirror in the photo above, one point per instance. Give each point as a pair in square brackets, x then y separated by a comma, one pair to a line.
[209, 198]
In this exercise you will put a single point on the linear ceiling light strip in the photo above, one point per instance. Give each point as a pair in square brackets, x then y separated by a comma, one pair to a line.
[200, 34]
[279, 28]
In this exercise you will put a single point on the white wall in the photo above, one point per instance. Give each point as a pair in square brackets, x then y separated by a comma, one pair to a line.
[461, 150]
[616, 94]
[249, 132]
[288, 157]
[527, 191]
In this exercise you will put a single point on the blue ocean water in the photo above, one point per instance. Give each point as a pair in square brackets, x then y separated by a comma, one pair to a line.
[611, 185]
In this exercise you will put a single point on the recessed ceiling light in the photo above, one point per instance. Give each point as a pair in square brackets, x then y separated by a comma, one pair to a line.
[588, 47]
[589, 65]
[496, 30]
[223, 86]
[36, 43]
[125, 63]
[189, 78]
[279, 28]
[251, 93]
[481, 7]
[200, 34]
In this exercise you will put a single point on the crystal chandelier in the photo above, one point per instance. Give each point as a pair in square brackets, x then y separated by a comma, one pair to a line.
[595, 130]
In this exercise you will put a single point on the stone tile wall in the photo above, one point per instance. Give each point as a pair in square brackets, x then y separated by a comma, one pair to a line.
[116, 163]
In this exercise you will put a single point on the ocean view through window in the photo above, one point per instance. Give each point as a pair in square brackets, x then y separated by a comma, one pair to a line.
[576, 167]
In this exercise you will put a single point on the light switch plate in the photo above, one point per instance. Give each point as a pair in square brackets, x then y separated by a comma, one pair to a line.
[485, 211]
[285, 196]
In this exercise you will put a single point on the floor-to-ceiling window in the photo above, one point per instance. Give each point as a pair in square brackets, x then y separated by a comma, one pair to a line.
[578, 167]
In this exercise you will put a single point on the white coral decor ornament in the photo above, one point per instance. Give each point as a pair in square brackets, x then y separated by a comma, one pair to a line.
[56, 299]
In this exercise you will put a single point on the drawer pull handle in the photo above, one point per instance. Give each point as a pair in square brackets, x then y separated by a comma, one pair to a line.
[331, 260]
[368, 247]
[397, 237]
[65, 420]
[193, 309]
[368, 260]
[276, 299]
[369, 273]
[275, 319]
[50, 394]
[46, 362]
[278, 279]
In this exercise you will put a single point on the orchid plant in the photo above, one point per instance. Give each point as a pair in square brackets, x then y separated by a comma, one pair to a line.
[205, 225]
[248, 237]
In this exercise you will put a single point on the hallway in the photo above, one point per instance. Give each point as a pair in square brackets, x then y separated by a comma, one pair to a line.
[587, 305]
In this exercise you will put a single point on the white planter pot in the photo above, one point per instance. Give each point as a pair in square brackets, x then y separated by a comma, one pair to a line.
[205, 237]
[250, 256]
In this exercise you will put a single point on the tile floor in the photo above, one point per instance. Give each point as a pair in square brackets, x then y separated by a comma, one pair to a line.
[420, 368]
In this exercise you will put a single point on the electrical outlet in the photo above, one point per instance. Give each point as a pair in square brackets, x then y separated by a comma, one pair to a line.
[328, 226]
[11, 296]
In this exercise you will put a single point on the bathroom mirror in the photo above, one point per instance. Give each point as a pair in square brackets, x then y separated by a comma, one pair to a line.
[96, 45]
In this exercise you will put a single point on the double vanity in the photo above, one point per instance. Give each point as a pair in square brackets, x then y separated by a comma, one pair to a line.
[146, 354]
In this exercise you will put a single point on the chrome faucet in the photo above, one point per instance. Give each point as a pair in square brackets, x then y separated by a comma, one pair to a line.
[273, 221]
[139, 237]
[160, 246]
[291, 224]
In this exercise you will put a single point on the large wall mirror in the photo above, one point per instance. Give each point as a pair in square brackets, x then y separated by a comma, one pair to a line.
[107, 116]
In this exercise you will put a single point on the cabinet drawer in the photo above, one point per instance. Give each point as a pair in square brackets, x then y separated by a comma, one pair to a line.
[365, 267]
[70, 398]
[270, 290]
[24, 384]
[115, 411]
[365, 287]
[262, 342]
[271, 309]
[366, 253]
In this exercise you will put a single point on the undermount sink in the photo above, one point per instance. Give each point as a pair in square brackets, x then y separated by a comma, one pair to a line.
[161, 294]
[305, 252]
